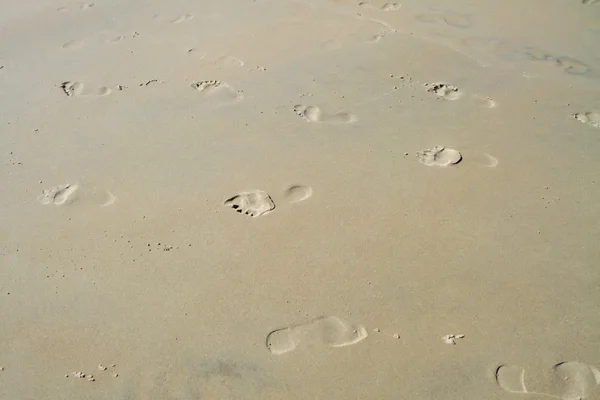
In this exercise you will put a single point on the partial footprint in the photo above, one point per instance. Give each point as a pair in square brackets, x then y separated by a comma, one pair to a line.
[391, 7]
[331, 331]
[446, 92]
[590, 118]
[77, 89]
[298, 193]
[59, 195]
[385, 7]
[572, 66]
[439, 156]
[574, 380]
[73, 45]
[315, 114]
[183, 18]
[254, 204]
[451, 19]
[219, 92]
[484, 101]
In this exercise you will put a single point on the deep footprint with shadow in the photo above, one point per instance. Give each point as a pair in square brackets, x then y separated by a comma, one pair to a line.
[253, 204]
[444, 91]
[590, 118]
[218, 92]
[439, 156]
[315, 114]
[297, 193]
[573, 380]
[330, 331]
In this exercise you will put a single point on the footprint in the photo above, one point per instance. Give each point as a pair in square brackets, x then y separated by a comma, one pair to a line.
[385, 7]
[391, 7]
[590, 118]
[77, 89]
[298, 193]
[197, 54]
[73, 45]
[446, 92]
[451, 19]
[483, 101]
[572, 66]
[183, 18]
[59, 195]
[229, 62]
[315, 114]
[218, 91]
[331, 331]
[254, 204]
[574, 380]
[439, 156]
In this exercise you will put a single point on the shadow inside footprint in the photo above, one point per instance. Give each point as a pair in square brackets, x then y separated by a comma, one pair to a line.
[315, 114]
[331, 331]
[254, 204]
[439, 156]
[446, 92]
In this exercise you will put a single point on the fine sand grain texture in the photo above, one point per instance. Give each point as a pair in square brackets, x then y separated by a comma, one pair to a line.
[221, 200]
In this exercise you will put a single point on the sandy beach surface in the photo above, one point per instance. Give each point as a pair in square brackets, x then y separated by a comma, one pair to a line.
[323, 199]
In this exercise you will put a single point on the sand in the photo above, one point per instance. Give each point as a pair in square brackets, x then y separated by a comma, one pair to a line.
[300, 199]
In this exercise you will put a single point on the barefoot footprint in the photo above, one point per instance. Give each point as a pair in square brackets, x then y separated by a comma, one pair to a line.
[444, 91]
[574, 380]
[58, 195]
[439, 156]
[315, 114]
[298, 193]
[254, 204]
[331, 331]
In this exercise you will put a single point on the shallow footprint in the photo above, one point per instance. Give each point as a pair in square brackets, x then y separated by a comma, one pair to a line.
[298, 193]
[315, 114]
[59, 195]
[511, 378]
[444, 91]
[484, 101]
[439, 156]
[331, 331]
[181, 19]
[590, 118]
[574, 380]
[77, 89]
[218, 91]
[254, 204]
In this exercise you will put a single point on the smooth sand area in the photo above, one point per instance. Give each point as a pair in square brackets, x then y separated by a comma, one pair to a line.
[325, 199]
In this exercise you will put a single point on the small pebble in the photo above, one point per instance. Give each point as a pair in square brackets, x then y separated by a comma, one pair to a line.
[377, 330]
[396, 336]
[102, 367]
[116, 375]
[92, 379]
[113, 365]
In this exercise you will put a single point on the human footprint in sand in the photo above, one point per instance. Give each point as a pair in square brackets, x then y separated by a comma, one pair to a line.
[571, 380]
